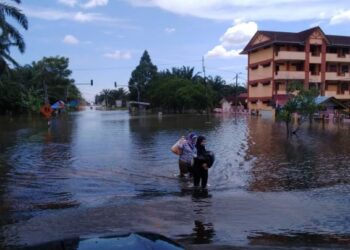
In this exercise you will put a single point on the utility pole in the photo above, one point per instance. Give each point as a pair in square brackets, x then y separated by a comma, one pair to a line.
[236, 92]
[236, 96]
[206, 86]
[67, 92]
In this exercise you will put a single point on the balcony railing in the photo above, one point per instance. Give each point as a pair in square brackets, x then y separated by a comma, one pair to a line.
[346, 94]
[290, 55]
[315, 59]
[314, 78]
[334, 76]
[290, 75]
[332, 57]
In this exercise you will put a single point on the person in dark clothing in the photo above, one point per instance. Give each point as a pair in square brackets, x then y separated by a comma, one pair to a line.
[200, 169]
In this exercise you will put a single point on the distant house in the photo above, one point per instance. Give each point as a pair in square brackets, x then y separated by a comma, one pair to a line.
[229, 103]
[330, 108]
[329, 103]
[135, 107]
[118, 103]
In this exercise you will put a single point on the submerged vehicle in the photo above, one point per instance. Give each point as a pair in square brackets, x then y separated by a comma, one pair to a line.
[139, 241]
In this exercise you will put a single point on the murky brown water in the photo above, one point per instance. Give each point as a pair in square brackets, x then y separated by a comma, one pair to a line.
[95, 173]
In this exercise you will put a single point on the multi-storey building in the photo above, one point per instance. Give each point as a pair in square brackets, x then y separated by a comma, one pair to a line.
[277, 58]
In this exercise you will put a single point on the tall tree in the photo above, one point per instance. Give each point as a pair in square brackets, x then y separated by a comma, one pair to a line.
[54, 75]
[141, 76]
[10, 36]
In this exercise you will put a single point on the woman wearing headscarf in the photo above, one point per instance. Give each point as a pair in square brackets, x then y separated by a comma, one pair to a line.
[202, 163]
[188, 152]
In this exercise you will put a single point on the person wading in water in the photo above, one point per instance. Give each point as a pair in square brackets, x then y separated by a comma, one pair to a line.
[202, 162]
[188, 152]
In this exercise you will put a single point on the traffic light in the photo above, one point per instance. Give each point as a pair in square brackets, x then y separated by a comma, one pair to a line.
[92, 82]
[115, 84]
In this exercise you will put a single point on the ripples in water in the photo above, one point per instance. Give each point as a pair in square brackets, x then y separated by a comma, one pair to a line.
[94, 160]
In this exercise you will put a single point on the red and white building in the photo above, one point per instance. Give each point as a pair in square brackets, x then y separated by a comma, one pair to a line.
[277, 58]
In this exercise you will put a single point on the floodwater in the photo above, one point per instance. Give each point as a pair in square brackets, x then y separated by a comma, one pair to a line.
[96, 173]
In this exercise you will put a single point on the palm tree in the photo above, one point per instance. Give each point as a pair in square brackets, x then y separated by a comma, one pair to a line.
[9, 35]
[107, 96]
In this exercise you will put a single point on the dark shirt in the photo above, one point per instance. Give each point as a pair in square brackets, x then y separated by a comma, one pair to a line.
[201, 156]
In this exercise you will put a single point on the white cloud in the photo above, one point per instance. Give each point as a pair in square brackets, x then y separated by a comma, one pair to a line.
[70, 39]
[169, 30]
[222, 52]
[255, 10]
[118, 55]
[238, 34]
[341, 17]
[88, 17]
[233, 39]
[95, 3]
[70, 3]
[55, 15]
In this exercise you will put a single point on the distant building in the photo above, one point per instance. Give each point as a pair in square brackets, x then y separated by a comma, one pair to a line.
[118, 103]
[229, 103]
[311, 57]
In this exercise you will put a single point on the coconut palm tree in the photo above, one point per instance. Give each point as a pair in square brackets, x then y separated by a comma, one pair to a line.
[9, 35]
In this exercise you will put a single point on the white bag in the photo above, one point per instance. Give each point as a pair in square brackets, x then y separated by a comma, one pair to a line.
[176, 148]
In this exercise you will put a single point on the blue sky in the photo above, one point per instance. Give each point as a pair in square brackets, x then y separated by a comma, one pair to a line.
[104, 39]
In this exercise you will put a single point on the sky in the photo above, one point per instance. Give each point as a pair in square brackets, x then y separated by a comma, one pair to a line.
[104, 39]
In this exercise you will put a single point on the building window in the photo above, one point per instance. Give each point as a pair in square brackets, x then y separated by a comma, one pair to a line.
[332, 50]
[277, 86]
[254, 85]
[332, 68]
[314, 85]
[267, 102]
[265, 83]
[345, 68]
[265, 65]
[315, 50]
[254, 67]
[344, 87]
[342, 52]
[277, 68]
[314, 69]
[299, 67]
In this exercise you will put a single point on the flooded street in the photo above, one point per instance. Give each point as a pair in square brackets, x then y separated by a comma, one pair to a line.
[100, 172]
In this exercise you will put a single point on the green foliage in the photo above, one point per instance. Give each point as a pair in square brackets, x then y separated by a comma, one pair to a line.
[303, 103]
[10, 36]
[141, 77]
[54, 73]
[221, 89]
[23, 88]
[177, 89]
[174, 91]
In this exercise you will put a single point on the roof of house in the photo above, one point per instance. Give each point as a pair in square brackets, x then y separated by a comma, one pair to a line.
[324, 99]
[276, 37]
[139, 103]
[321, 99]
